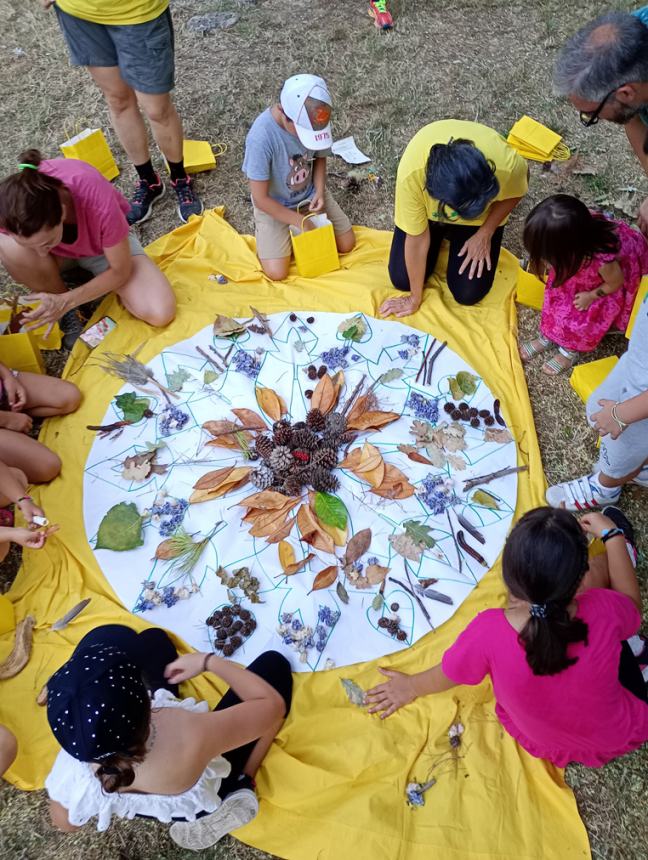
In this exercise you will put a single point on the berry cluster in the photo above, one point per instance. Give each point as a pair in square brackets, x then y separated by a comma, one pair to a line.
[247, 364]
[171, 419]
[469, 414]
[436, 493]
[232, 625]
[391, 623]
[425, 408]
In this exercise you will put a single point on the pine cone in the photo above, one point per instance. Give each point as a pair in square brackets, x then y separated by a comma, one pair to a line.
[305, 439]
[264, 445]
[324, 481]
[335, 423]
[348, 437]
[281, 459]
[292, 485]
[315, 420]
[262, 478]
[325, 457]
[282, 433]
[299, 425]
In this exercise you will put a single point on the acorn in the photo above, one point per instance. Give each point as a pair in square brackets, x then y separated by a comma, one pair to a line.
[228, 650]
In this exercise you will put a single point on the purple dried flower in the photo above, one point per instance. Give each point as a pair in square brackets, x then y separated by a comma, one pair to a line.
[424, 407]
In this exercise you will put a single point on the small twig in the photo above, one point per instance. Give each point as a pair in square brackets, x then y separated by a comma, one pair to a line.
[423, 366]
[226, 360]
[353, 395]
[428, 376]
[210, 360]
[470, 483]
[263, 320]
[414, 595]
[454, 538]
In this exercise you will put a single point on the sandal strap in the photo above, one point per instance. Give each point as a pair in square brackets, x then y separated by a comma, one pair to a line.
[580, 493]
[557, 366]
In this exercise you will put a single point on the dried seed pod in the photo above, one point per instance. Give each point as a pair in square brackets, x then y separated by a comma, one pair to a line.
[463, 406]
[401, 635]
[226, 622]
[281, 433]
[236, 626]
[456, 415]
[308, 394]
[245, 614]
[236, 642]
[394, 607]
[228, 650]
[489, 420]
[246, 630]
[474, 422]
[299, 425]
[383, 622]
[218, 646]
[472, 412]
[221, 633]
[484, 413]
[449, 407]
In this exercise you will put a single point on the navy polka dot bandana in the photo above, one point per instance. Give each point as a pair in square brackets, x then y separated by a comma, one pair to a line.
[95, 702]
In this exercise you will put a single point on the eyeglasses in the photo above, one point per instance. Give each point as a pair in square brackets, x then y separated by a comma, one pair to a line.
[589, 118]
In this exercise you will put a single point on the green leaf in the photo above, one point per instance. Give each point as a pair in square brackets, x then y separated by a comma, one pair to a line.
[390, 375]
[342, 593]
[121, 528]
[485, 499]
[355, 694]
[419, 533]
[177, 379]
[467, 382]
[210, 376]
[350, 333]
[377, 602]
[455, 389]
[353, 328]
[330, 510]
[131, 406]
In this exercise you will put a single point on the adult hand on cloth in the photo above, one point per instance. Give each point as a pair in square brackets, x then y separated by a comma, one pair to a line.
[476, 254]
[400, 306]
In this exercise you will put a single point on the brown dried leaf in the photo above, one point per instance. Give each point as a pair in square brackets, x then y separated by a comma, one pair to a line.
[224, 442]
[273, 405]
[405, 546]
[395, 485]
[167, 549]
[312, 532]
[291, 569]
[286, 554]
[226, 326]
[136, 468]
[282, 532]
[411, 452]
[372, 420]
[376, 574]
[325, 395]
[436, 454]
[250, 419]
[457, 462]
[325, 578]
[352, 460]
[370, 458]
[266, 499]
[217, 427]
[497, 434]
[274, 518]
[357, 546]
[235, 479]
[214, 479]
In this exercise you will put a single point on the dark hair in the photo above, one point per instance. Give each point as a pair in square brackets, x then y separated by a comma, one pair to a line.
[459, 176]
[608, 52]
[544, 561]
[30, 200]
[116, 770]
[563, 233]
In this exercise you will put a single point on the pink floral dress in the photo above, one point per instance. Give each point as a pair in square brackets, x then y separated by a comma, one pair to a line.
[570, 328]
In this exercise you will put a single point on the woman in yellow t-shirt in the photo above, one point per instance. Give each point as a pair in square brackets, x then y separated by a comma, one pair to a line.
[457, 181]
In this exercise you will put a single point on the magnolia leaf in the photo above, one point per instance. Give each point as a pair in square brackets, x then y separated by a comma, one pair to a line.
[273, 405]
[372, 420]
[298, 565]
[177, 379]
[131, 406]
[352, 460]
[339, 535]
[214, 479]
[377, 602]
[325, 578]
[497, 434]
[226, 326]
[485, 499]
[210, 376]
[330, 510]
[405, 546]
[354, 328]
[419, 532]
[355, 694]
[311, 531]
[390, 375]
[250, 419]
[357, 546]
[121, 528]
[282, 532]
[467, 382]
[168, 549]
[218, 427]
[376, 574]
[234, 479]
[266, 500]
[342, 593]
[395, 485]
[286, 555]
[325, 395]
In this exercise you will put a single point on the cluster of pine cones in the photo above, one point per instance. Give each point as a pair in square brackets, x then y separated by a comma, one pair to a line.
[301, 454]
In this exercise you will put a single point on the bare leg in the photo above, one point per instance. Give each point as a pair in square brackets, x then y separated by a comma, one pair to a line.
[147, 293]
[606, 481]
[39, 464]
[40, 274]
[276, 269]
[165, 123]
[47, 396]
[345, 242]
[124, 112]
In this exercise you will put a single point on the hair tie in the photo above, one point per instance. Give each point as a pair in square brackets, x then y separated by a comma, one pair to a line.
[22, 167]
[538, 610]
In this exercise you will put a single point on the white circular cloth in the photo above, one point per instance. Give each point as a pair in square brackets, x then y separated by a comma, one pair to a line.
[281, 362]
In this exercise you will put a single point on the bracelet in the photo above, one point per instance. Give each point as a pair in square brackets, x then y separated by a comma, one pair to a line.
[23, 499]
[206, 660]
[622, 424]
[600, 292]
[608, 534]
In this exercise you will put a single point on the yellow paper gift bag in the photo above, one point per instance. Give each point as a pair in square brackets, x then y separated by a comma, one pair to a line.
[640, 298]
[315, 250]
[52, 341]
[537, 142]
[90, 145]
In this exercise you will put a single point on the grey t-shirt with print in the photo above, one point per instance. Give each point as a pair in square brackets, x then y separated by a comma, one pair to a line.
[274, 154]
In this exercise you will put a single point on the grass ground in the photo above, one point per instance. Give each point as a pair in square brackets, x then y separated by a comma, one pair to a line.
[486, 60]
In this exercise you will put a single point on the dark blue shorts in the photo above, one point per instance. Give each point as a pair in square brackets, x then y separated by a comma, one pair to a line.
[143, 52]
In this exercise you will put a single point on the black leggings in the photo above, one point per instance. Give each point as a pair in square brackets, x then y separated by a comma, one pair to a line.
[630, 673]
[464, 290]
[152, 650]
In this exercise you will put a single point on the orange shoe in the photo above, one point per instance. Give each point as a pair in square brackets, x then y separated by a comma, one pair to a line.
[379, 12]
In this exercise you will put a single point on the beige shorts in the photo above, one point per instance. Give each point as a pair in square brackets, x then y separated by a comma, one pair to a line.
[273, 237]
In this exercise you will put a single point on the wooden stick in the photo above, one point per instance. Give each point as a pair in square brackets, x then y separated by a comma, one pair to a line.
[424, 362]
[428, 376]
[470, 483]
[209, 359]
[353, 395]
[415, 596]
[454, 538]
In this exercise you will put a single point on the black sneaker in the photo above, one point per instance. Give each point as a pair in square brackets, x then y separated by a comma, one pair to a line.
[71, 326]
[141, 203]
[188, 201]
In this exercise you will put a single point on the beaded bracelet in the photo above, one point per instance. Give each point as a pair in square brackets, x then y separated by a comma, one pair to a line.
[608, 534]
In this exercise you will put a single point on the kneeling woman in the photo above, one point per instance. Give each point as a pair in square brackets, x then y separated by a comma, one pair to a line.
[457, 181]
[61, 210]
[166, 758]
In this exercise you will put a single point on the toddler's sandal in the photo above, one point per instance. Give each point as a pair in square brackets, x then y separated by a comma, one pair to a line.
[559, 362]
[531, 348]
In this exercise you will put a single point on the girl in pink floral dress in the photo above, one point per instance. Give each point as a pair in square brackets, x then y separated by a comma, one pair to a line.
[595, 266]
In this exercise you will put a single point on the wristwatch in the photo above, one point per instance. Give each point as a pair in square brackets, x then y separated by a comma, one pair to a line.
[608, 534]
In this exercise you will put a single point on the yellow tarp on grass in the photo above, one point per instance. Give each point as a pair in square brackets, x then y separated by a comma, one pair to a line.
[333, 785]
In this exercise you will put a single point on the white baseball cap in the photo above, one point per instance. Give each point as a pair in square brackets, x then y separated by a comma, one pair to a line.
[306, 101]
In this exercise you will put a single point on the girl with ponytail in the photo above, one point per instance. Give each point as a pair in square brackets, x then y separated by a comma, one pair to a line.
[566, 683]
[56, 213]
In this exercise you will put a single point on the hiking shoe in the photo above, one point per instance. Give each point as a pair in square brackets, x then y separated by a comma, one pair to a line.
[188, 201]
[71, 326]
[141, 203]
[582, 494]
[238, 808]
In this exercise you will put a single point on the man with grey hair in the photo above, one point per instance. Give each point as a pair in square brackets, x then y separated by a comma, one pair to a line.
[603, 71]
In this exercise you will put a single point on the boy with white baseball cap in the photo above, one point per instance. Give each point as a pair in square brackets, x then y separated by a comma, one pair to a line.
[285, 163]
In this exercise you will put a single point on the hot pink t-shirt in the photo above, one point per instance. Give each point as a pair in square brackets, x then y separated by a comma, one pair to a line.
[583, 713]
[100, 208]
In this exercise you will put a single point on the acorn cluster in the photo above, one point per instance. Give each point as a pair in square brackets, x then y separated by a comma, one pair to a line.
[475, 417]
[391, 623]
[232, 625]
[299, 455]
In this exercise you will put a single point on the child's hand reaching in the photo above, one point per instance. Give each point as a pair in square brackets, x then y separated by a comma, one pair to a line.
[595, 524]
[392, 695]
[28, 539]
[583, 300]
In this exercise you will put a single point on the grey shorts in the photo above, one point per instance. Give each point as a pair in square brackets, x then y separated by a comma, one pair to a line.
[621, 456]
[143, 52]
[97, 265]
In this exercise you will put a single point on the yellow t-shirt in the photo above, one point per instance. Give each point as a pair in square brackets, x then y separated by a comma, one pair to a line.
[415, 207]
[116, 13]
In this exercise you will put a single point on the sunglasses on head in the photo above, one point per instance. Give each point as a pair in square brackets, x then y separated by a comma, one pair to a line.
[589, 118]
